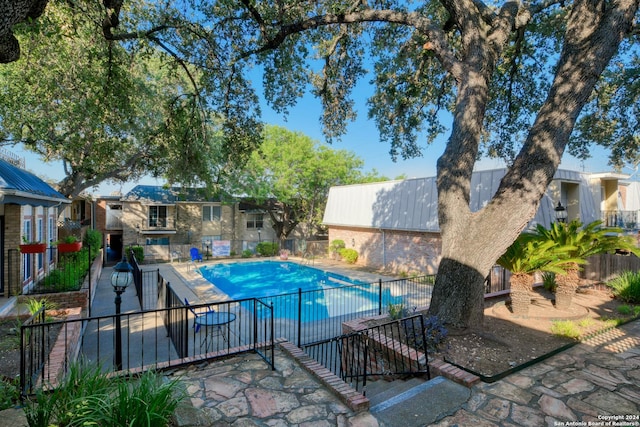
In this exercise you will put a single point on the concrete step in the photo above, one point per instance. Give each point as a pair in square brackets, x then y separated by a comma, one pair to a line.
[422, 404]
[382, 390]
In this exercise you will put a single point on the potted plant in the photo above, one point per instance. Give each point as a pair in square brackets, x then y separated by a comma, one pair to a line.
[69, 244]
[32, 247]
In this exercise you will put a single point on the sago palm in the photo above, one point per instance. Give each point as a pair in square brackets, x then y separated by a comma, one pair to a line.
[582, 241]
[523, 258]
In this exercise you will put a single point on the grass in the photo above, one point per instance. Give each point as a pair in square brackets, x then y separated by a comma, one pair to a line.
[566, 328]
[579, 329]
[626, 287]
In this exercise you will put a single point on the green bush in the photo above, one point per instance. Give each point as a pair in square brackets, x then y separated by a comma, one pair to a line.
[93, 239]
[625, 310]
[397, 311]
[349, 255]
[549, 281]
[9, 393]
[69, 274]
[247, 253]
[336, 245]
[138, 252]
[267, 248]
[626, 287]
[88, 397]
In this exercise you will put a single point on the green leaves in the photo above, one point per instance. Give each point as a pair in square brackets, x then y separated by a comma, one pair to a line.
[562, 246]
[528, 254]
[296, 172]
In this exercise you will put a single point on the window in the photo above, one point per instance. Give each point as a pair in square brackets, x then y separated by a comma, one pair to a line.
[26, 260]
[254, 221]
[211, 213]
[157, 216]
[51, 228]
[26, 227]
[163, 241]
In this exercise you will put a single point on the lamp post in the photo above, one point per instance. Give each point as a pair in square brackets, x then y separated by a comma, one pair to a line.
[259, 238]
[561, 213]
[120, 278]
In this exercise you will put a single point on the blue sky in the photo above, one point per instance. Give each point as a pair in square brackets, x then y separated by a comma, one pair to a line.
[361, 138]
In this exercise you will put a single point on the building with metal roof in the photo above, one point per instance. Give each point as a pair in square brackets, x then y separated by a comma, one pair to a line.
[168, 222]
[394, 224]
[28, 211]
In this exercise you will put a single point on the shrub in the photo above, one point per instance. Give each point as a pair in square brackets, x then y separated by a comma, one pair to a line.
[549, 281]
[35, 304]
[436, 332]
[626, 287]
[396, 311]
[93, 239]
[86, 396]
[69, 274]
[267, 248]
[138, 252]
[335, 246]
[9, 393]
[624, 310]
[247, 253]
[349, 255]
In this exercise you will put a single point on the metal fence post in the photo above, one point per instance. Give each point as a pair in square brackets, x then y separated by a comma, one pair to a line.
[90, 264]
[379, 297]
[299, 316]
[273, 355]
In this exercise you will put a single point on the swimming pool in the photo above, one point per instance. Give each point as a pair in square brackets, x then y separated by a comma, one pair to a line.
[324, 294]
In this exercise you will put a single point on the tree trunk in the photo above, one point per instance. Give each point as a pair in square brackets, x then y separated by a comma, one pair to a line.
[458, 296]
[592, 38]
[566, 289]
[521, 286]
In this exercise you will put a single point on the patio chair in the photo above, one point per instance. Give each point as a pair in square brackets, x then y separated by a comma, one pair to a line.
[196, 324]
[195, 254]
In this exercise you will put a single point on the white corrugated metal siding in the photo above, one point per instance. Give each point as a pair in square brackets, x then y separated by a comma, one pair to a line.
[412, 204]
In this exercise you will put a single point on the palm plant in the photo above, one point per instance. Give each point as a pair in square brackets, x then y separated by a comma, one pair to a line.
[582, 241]
[523, 258]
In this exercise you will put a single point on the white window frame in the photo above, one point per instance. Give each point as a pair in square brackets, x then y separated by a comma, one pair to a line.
[211, 213]
[255, 221]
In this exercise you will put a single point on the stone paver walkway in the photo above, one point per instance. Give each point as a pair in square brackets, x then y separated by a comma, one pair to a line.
[244, 391]
[595, 382]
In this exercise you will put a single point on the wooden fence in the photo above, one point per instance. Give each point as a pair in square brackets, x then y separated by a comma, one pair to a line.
[605, 267]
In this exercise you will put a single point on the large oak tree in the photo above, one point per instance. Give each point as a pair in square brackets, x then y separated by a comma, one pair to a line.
[290, 175]
[514, 76]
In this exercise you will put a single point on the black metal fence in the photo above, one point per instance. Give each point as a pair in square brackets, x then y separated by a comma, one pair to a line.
[151, 339]
[388, 350]
[307, 316]
[49, 272]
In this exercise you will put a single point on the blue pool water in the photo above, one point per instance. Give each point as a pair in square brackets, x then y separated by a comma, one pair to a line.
[325, 294]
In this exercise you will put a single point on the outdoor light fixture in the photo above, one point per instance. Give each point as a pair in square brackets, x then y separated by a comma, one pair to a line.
[561, 213]
[121, 277]
[259, 238]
